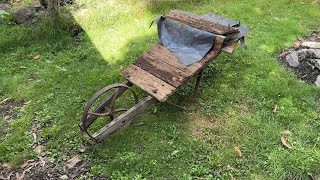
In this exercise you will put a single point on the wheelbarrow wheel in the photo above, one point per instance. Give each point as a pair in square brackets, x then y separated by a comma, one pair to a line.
[104, 104]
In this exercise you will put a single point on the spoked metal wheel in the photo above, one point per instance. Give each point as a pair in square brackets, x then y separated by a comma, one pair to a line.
[106, 105]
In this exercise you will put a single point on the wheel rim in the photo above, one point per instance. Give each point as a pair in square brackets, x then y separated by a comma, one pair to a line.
[109, 109]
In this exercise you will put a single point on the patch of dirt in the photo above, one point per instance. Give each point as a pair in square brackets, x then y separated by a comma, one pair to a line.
[44, 169]
[304, 58]
[199, 124]
[9, 109]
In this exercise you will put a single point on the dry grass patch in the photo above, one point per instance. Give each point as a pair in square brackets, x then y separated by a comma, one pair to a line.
[199, 123]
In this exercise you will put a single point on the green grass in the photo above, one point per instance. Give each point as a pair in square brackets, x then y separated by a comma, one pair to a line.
[237, 95]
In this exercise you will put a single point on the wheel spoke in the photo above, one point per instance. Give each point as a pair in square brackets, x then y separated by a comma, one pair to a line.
[119, 110]
[107, 108]
[100, 114]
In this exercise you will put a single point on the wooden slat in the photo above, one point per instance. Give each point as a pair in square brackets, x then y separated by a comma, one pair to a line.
[162, 70]
[230, 48]
[196, 22]
[148, 82]
[162, 53]
[218, 43]
[196, 67]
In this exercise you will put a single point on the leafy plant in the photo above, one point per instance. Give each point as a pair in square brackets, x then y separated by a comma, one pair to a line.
[5, 15]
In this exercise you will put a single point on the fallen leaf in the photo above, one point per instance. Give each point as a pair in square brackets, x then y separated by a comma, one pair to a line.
[6, 165]
[23, 165]
[174, 153]
[73, 161]
[9, 176]
[19, 177]
[314, 2]
[237, 149]
[34, 137]
[282, 54]
[274, 109]
[39, 149]
[284, 142]
[287, 132]
[37, 57]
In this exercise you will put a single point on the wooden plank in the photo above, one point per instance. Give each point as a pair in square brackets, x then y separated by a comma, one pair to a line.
[218, 43]
[230, 48]
[196, 67]
[124, 119]
[162, 70]
[148, 82]
[162, 53]
[199, 23]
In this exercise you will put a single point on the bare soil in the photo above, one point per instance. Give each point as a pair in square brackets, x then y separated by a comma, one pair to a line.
[304, 66]
[44, 169]
[10, 109]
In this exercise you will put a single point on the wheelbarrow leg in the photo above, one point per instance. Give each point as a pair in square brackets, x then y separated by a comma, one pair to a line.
[197, 86]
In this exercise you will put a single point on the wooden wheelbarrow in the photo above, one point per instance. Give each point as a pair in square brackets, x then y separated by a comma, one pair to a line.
[159, 73]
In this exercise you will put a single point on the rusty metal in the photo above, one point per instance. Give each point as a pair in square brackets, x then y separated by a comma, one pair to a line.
[106, 108]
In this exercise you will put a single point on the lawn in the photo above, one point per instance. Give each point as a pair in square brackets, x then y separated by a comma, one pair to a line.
[229, 133]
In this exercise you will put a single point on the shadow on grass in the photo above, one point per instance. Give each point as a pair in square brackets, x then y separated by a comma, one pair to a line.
[68, 72]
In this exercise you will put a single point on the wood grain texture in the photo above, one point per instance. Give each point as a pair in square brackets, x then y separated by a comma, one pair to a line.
[163, 54]
[199, 23]
[162, 70]
[148, 82]
[210, 56]
[230, 48]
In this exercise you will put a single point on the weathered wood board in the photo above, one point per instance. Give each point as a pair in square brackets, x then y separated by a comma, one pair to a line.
[199, 23]
[230, 48]
[148, 82]
[160, 73]
[210, 56]
[162, 70]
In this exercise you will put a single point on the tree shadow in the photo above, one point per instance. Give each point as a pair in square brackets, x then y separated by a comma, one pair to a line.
[70, 70]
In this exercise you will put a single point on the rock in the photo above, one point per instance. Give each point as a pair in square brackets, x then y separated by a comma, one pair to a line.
[315, 62]
[312, 45]
[305, 53]
[37, 7]
[316, 53]
[309, 53]
[293, 59]
[23, 16]
[317, 82]
[5, 7]
[64, 177]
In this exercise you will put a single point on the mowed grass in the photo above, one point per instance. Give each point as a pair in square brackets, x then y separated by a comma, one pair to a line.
[232, 114]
